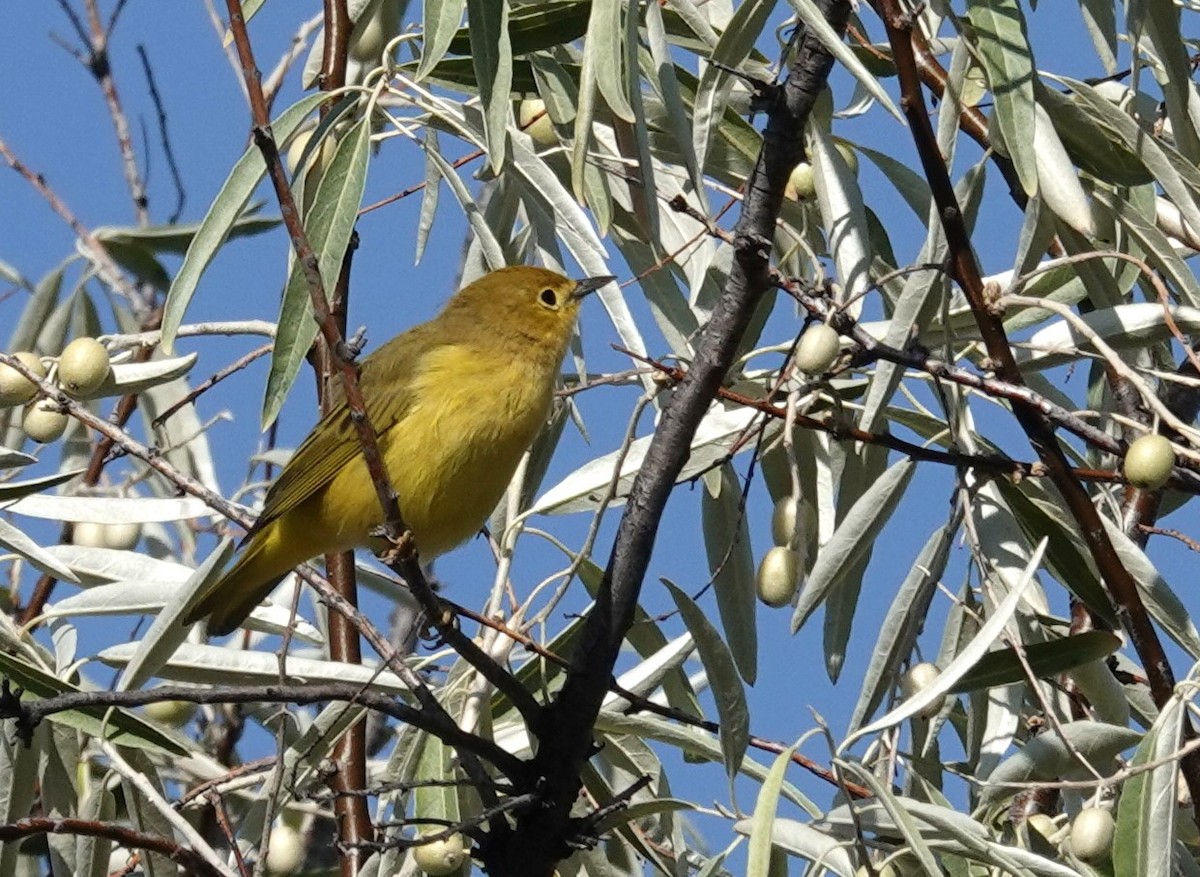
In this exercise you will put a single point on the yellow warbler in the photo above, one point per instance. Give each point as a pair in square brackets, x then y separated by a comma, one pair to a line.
[455, 402]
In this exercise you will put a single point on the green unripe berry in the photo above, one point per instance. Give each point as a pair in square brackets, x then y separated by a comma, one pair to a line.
[849, 156]
[784, 521]
[1148, 462]
[801, 185]
[1042, 824]
[1092, 834]
[778, 576]
[285, 850]
[83, 367]
[15, 388]
[440, 857]
[43, 422]
[917, 679]
[177, 713]
[118, 536]
[540, 128]
[818, 348]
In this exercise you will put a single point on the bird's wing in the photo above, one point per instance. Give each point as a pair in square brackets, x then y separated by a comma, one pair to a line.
[333, 443]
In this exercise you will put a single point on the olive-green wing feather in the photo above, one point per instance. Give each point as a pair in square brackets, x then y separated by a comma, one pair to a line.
[386, 379]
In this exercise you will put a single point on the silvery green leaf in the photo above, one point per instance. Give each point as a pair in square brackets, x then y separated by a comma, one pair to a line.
[815, 20]
[803, 841]
[1162, 603]
[14, 540]
[18, 789]
[1160, 252]
[101, 565]
[121, 726]
[603, 51]
[661, 72]
[731, 566]
[166, 631]
[491, 56]
[143, 597]
[135, 377]
[112, 509]
[842, 213]
[903, 622]
[1050, 757]
[583, 489]
[762, 823]
[965, 659]
[13, 490]
[36, 310]
[1100, 19]
[920, 298]
[11, 459]
[58, 764]
[896, 808]
[649, 673]
[215, 665]
[1057, 179]
[1121, 327]
[690, 741]
[328, 226]
[493, 253]
[999, 28]
[1144, 844]
[1159, 22]
[731, 51]
[910, 185]
[226, 209]
[9, 274]
[1178, 176]
[441, 19]
[852, 538]
[732, 712]
[429, 195]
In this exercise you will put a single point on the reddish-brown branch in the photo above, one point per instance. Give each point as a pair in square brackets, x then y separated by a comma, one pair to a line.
[1037, 428]
[192, 861]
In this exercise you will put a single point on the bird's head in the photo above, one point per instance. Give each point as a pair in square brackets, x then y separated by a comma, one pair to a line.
[534, 303]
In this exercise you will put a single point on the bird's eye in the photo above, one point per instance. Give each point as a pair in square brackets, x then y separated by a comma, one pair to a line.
[549, 299]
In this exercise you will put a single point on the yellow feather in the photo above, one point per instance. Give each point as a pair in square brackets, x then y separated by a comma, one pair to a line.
[455, 402]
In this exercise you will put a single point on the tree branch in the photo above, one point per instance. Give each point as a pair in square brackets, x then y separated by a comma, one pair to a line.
[542, 834]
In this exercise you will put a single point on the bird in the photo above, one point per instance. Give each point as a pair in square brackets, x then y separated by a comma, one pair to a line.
[455, 402]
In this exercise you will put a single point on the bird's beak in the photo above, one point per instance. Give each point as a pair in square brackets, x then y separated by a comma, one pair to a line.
[588, 285]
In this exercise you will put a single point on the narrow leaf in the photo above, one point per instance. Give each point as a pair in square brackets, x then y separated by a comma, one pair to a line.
[226, 208]
[732, 711]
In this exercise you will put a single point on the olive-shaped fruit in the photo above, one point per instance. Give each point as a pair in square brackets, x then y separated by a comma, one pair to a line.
[285, 850]
[539, 127]
[846, 151]
[1042, 824]
[801, 185]
[43, 422]
[784, 520]
[15, 388]
[440, 857]
[818, 348]
[1148, 461]
[175, 713]
[917, 679]
[83, 367]
[778, 576]
[1092, 834]
[119, 536]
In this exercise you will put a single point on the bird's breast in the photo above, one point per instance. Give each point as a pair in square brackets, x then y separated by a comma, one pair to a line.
[454, 451]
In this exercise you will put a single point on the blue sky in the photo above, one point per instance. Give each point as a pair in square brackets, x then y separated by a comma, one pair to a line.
[53, 117]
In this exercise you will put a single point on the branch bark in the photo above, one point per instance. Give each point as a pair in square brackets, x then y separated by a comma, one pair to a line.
[543, 835]
[1038, 429]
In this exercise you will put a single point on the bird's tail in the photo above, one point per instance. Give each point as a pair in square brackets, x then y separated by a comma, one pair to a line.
[262, 564]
